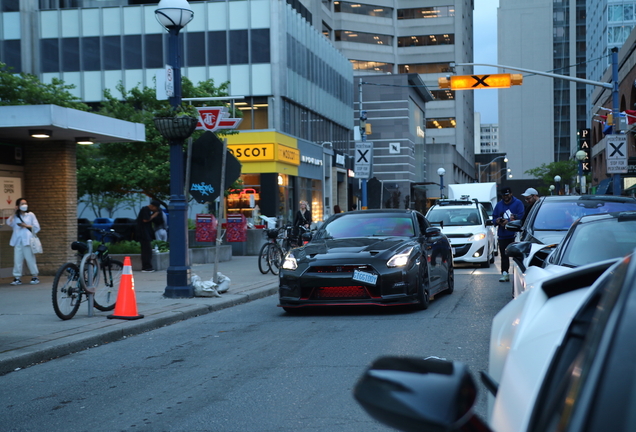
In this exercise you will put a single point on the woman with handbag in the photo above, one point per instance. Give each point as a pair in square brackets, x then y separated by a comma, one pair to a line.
[25, 225]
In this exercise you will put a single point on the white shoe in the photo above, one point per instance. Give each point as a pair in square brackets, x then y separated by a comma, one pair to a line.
[35, 280]
[504, 277]
[16, 281]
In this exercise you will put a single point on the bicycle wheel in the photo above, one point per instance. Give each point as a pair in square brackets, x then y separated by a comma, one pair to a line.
[275, 258]
[106, 291]
[89, 269]
[263, 262]
[67, 293]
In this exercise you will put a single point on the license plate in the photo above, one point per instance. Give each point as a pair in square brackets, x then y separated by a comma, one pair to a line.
[365, 277]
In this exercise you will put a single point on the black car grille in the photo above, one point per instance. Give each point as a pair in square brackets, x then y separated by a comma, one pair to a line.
[459, 235]
[350, 292]
[340, 269]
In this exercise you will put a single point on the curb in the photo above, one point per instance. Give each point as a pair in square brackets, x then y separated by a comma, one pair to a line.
[117, 330]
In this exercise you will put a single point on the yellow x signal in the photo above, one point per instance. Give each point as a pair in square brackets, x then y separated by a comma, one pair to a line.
[471, 82]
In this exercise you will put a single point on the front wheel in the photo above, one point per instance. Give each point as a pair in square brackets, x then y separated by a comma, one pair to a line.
[423, 293]
[263, 262]
[450, 282]
[106, 291]
[67, 293]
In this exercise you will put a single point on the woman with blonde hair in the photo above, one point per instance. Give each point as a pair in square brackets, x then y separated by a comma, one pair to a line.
[303, 218]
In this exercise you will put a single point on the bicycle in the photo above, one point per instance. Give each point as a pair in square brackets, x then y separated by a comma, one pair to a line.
[69, 287]
[271, 254]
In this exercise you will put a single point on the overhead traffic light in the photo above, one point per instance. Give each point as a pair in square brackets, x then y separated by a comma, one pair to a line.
[471, 82]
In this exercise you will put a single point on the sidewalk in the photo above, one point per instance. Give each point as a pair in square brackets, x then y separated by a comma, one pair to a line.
[30, 332]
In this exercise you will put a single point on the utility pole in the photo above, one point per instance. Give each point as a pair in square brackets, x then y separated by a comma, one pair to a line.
[363, 137]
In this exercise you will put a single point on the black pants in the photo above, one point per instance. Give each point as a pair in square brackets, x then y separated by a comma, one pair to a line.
[146, 254]
[505, 260]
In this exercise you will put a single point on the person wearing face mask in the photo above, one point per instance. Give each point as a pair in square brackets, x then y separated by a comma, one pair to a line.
[24, 224]
[506, 210]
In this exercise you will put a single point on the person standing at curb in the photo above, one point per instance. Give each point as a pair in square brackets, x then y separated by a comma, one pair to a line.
[146, 234]
[531, 195]
[24, 224]
[506, 210]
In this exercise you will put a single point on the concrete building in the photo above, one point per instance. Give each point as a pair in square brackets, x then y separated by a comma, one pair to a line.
[297, 87]
[417, 37]
[539, 119]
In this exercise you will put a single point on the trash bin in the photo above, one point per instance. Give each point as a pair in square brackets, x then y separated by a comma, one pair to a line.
[102, 223]
[83, 231]
[206, 225]
[236, 228]
[125, 227]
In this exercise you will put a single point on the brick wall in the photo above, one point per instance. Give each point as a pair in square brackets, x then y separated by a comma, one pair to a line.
[50, 186]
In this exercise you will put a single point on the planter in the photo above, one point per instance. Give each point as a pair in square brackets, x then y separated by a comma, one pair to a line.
[161, 261]
[176, 128]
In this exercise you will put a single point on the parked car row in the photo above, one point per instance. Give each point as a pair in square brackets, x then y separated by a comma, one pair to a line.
[125, 227]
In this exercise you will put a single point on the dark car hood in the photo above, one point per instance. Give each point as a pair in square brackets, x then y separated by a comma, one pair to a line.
[351, 247]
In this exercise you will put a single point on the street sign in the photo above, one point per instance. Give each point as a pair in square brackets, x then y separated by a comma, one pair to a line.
[472, 82]
[362, 159]
[215, 118]
[616, 154]
[394, 148]
[169, 81]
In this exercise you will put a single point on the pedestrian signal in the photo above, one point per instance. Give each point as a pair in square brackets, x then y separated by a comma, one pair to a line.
[471, 82]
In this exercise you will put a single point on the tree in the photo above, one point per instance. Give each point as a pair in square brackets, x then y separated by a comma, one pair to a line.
[546, 173]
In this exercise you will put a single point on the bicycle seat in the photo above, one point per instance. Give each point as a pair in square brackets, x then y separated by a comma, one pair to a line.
[81, 247]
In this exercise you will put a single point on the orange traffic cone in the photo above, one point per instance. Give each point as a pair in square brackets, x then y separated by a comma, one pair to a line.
[126, 305]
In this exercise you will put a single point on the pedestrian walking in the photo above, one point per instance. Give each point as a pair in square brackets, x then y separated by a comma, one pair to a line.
[506, 210]
[25, 225]
[146, 233]
[531, 195]
[303, 218]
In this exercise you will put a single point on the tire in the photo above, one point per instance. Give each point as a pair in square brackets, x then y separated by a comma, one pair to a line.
[67, 293]
[492, 257]
[263, 262]
[275, 259]
[106, 292]
[450, 282]
[485, 264]
[423, 293]
[89, 266]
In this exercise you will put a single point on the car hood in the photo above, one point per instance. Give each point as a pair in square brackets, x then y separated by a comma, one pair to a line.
[362, 247]
[468, 229]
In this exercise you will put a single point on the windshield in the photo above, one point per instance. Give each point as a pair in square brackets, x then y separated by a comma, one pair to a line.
[559, 216]
[367, 225]
[599, 241]
[454, 217]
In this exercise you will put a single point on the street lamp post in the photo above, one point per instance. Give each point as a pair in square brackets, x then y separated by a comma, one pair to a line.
[174, 15]
[481, 167]
[581, 155]
[551, 189]
[441, 172]
[557, 180]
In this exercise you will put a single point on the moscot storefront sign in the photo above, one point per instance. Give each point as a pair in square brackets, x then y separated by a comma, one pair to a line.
[265, 152]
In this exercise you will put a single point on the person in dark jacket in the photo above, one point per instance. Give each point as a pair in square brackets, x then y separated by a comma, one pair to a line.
[506, 210]
[303, 218]
[146, 234]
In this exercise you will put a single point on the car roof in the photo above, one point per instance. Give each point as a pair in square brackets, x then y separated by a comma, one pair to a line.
[457, 204]
[574, 198]
[623, 215]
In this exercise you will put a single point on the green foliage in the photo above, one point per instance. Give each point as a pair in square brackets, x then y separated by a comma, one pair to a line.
[546, 172]
[163, 246]
[26, 89]
[123, 247]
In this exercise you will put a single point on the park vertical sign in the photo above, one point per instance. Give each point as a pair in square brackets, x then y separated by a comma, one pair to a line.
[616, 154]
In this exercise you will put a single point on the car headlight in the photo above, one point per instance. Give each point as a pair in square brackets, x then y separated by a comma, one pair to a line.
[290, 262]
[477, 237]
[401, 258]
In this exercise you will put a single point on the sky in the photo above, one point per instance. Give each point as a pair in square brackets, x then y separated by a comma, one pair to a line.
[485, 51]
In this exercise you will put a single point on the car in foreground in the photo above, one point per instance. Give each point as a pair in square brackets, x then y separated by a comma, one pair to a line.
[560, 355]
[469, 229]
[368, 257]
[590, 239]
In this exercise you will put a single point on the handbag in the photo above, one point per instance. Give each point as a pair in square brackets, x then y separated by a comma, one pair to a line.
[36, 244]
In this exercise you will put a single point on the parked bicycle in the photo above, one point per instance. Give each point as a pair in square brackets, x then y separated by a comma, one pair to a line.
[94, 272]
[270, 257]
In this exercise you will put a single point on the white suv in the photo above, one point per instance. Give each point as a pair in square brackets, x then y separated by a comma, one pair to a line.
[469, 229]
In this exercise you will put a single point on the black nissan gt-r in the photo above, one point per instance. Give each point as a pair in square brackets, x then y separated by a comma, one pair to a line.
[368, 257]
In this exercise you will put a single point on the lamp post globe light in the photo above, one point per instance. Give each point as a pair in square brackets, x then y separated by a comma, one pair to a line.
[557, 180]
[174, 15]
[551, 189]
[483, 167]
[581, 155]
[440, 173]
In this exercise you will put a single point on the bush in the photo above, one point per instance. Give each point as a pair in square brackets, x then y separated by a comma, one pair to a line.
[129, 247]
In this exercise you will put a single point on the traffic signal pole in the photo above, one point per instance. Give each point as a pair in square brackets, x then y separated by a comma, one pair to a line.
[613, 86]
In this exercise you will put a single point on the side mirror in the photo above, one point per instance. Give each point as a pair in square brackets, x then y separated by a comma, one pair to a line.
[519, 249]
[514, 225]
[433, 232]
[489, 222]
[414, 394]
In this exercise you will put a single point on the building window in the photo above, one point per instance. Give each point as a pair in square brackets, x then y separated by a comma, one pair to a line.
[372, 66]
[426, 12]
[239, 53]
[132, 52]
[11, 53]
[91, 54]
[362, 9]
[259, 45]
[195, 49]
[111, 47]
[443, 94]
[70, 55]
[217, 48]
[426, 40]
[441, 123]
[360, 37]
[422, 68]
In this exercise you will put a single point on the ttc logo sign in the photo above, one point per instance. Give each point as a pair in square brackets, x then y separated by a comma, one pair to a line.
[215, 118]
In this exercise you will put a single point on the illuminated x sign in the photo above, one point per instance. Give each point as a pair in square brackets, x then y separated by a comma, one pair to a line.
[471, 82]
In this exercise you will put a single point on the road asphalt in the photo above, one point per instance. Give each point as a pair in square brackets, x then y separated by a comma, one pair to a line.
[31, 333]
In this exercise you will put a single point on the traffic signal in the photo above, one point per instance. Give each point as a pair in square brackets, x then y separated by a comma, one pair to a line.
[471, 82]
